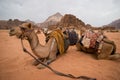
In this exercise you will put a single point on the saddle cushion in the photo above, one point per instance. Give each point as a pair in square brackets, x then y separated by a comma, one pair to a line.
[91, 39]
[59, 37]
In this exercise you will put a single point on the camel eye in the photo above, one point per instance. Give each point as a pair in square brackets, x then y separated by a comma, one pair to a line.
[23, 29]
[12, 30]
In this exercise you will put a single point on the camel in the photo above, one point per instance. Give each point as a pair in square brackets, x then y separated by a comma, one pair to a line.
[106, 52]
[46, 53]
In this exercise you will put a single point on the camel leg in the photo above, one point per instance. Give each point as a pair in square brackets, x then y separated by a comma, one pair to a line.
[78, 46]
[52, 56]
[46, 61]
[105, 51]
[114, 57]
[40, 66]
[35, 63]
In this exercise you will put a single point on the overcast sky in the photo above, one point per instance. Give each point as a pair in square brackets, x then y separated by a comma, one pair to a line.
[94, 12]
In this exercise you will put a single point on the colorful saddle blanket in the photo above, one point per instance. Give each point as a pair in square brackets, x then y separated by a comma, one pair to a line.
[90, 39]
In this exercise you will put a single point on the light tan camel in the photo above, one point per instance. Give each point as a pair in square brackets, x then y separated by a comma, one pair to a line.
[107, 51]
[47, 53]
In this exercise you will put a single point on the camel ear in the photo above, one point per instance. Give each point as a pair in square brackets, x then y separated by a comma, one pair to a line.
[29, 26]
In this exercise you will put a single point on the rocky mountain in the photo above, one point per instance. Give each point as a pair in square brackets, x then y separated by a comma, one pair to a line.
[29, 21]
[115, 24]
[69, 20]
[52, 20]
[56, 17]
[7, 24]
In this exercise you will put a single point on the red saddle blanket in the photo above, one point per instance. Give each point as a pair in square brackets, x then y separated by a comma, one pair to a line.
[90, 38]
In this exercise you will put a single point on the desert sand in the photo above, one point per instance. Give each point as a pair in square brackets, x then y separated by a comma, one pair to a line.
[17, 65]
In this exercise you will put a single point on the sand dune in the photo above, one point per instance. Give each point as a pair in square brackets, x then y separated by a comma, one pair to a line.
[17, 65]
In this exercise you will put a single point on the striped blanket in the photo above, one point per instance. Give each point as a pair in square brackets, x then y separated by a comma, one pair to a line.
[59, 37]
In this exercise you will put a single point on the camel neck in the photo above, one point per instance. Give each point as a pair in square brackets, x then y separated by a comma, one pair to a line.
[33, 40]
[35, 45]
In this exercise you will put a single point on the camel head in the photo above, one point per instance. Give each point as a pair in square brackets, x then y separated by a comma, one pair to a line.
[15, 31]
[26, 29]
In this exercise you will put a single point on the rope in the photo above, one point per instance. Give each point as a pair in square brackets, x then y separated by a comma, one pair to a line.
[54, 71]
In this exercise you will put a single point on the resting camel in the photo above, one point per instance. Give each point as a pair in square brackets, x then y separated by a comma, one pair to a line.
[107, 50]
[46, 53]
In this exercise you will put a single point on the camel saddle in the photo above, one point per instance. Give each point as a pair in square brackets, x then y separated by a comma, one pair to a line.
[91, 39]
[59, 37]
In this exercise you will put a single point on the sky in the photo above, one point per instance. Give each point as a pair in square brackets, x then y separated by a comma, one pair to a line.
[94, 12]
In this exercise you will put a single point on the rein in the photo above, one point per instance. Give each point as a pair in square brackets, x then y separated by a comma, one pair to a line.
[54, 71]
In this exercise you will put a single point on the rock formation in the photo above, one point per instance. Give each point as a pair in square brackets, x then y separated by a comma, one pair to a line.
[69, 20]
[7, 24]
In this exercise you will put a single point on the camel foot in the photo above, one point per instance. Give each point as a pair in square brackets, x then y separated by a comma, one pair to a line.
[35, 63]
[40, 66]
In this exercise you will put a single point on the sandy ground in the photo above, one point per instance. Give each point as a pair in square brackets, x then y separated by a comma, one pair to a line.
[17, 65]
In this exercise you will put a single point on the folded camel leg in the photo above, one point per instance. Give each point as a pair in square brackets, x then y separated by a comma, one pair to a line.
[78, 46]
[116, 56]
[46, 61]
[35, 63]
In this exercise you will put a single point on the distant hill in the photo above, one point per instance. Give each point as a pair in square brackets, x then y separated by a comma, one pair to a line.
[52, 20]
[7, 24]
[115, 24]
[29, 21]
[69, 20]
[56, 17]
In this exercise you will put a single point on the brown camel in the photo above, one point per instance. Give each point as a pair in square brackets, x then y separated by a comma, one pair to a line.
[107, 51]
[46, 53]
